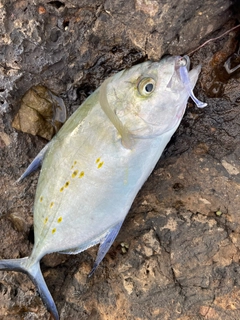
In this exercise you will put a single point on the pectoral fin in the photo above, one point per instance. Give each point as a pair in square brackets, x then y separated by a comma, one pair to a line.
[122, 130]
[105, 244]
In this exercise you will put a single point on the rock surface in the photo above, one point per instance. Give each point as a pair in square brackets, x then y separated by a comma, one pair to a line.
[177, 254]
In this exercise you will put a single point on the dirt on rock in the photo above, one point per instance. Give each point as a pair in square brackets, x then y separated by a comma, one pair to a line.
[177, 254]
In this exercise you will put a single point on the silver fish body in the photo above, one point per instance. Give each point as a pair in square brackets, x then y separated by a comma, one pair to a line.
[94, 167]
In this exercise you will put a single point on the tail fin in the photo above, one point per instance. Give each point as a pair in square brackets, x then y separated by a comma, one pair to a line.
[35, 274]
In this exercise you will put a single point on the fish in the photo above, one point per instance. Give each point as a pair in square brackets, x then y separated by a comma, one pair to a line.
[93, 168]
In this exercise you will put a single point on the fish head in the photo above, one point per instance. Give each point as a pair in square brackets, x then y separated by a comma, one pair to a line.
[150, 98]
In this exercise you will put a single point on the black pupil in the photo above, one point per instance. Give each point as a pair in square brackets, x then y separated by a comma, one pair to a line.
[149, 87]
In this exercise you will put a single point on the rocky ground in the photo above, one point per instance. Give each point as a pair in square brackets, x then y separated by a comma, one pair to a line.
[177, 254]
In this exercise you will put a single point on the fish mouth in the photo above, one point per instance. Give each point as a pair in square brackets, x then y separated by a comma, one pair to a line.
[182, 62]
[181, 68]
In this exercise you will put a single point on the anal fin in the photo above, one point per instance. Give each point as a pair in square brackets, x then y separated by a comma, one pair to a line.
[105, 245]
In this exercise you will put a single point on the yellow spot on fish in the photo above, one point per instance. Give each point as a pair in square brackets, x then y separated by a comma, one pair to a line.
[98, 160]
[66, 184]
[51, 204]
[100, 164]
[74, 163]
[54, 230]
[41, 199]
[74, 174]
[45, 220]
[59, 219]
[81, 174]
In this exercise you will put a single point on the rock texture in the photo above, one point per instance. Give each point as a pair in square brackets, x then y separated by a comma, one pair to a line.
[177, 255]
[69, 46]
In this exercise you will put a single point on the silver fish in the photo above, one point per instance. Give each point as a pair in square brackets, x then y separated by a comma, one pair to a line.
[95, 165]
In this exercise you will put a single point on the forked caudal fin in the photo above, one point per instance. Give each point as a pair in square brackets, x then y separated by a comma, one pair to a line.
[35, 274]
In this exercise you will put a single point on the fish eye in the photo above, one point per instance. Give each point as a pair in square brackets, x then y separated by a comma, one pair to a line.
[146, 86]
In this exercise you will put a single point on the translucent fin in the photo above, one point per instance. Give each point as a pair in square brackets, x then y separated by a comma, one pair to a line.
[183, 72]
[35, 274]
[105, 244]
[81, 248]
[36, 163]
[123, 131]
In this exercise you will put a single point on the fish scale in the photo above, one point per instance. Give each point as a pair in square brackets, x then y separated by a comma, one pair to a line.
[95, 165]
